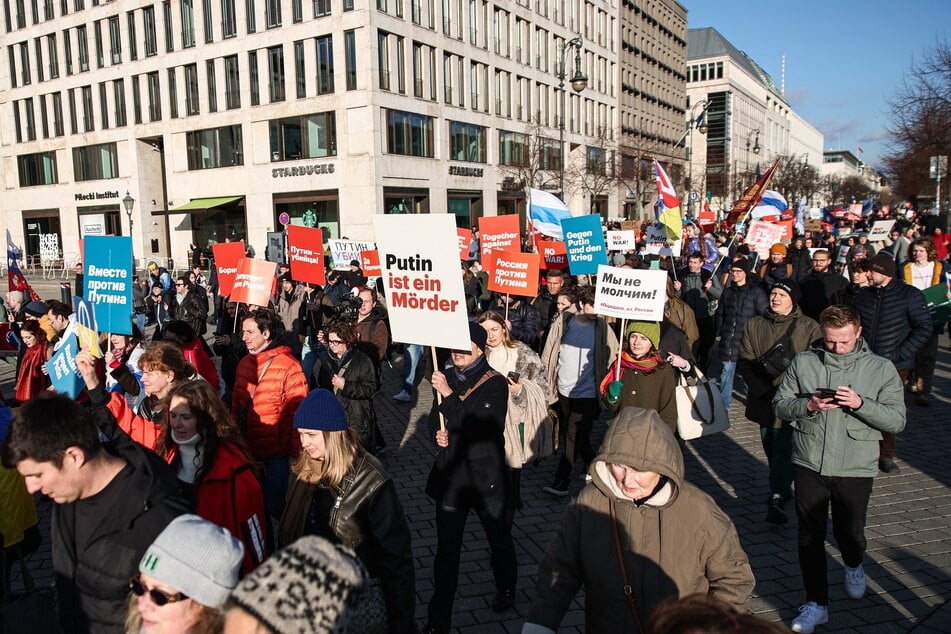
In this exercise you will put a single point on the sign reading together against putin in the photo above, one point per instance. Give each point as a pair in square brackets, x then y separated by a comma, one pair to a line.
[253, 282]
[108, 282]
[515, 274]
[498, 233]
[419, 260]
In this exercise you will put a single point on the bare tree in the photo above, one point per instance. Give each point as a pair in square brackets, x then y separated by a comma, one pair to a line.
[795, 178]
[530, 160]
[636, 171]
[597, 176]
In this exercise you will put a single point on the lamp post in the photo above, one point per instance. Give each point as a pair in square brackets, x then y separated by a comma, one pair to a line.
[755, 147]
[578, 83]
[129, 203]
[699, 122]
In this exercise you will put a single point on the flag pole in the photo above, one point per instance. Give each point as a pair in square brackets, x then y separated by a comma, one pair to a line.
[620, 350]
[442, 419]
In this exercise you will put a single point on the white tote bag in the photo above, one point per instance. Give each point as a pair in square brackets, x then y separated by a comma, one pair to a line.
[700, 410]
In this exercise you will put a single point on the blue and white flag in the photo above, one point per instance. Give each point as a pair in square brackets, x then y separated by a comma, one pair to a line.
[774, 199]
[801, 216]
[546, 212]
[867, 206]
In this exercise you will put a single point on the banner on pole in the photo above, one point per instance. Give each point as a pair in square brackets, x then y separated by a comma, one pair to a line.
[370, 263]
[631, 293]
[62, 369]
[305, 251]
[880, 230]
[343, 252]
[515, 273]
[584, 244]
[622, 240]
[554, 255]
[253, 282]
[762, 235]
[420, 268]
[108, 282]
[227, 255]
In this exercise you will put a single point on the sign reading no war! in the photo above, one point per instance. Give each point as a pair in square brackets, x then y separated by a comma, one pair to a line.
[584, 243]
[108, 281]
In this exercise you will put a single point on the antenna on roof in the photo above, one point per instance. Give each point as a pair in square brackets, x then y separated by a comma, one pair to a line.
[782, 79]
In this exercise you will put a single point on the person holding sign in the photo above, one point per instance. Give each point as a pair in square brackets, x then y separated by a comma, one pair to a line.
[469, 475]
[645, 379]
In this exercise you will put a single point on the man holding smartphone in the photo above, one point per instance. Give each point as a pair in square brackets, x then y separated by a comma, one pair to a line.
[840, 398]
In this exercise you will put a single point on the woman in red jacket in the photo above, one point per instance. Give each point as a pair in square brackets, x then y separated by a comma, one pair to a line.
[32, 379]
[212, 461]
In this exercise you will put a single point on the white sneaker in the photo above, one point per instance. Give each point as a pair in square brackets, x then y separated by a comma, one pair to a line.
[403, 396]
[810, 615]
[855, 582]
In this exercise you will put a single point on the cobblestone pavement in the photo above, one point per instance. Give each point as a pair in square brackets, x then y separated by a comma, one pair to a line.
[909, 522]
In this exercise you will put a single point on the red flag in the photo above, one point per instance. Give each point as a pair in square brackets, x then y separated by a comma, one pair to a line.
[751, 196]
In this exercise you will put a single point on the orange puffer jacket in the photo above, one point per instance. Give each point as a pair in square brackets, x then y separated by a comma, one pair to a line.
[268, 423]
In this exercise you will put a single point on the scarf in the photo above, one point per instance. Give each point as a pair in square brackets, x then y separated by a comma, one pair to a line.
[31, 381]
[470, 373]
[646, 365]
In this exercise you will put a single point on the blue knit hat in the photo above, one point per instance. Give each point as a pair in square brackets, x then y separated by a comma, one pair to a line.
[320, 411]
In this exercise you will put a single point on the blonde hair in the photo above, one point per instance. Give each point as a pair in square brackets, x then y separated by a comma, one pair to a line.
[341, 450]
[210, 620]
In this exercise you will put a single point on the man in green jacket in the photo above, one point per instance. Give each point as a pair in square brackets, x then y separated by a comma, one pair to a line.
[840, 398]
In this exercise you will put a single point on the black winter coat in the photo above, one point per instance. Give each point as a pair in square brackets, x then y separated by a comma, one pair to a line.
[357, 394]
[93, 585]
[801, 262]
[738, 305]
[819, 291]
[192, 310]
[895, 321]
[526, 322]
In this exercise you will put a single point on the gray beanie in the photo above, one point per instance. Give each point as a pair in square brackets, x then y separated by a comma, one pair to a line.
[199, 559]
[309, 586]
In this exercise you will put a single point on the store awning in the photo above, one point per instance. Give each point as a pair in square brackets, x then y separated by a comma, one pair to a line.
[202, 204]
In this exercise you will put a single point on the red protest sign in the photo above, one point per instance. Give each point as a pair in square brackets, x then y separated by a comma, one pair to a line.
[465, 237]
[554, 255]
[515, 273]
[226, 256]
[498, 233]
[305, 250]
[253, 282]
[370, 263]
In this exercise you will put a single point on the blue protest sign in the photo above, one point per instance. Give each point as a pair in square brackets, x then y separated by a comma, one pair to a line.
[108, 281]
[584, 243]
[87, 332]
[63, 371]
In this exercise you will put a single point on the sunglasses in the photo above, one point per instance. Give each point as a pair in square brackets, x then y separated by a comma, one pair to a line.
[157, 597]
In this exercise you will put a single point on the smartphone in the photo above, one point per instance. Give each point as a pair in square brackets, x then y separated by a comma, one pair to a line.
[514, 376]
[826, 392]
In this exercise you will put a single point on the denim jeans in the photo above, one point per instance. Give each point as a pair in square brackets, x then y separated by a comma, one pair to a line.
[726, 382]
[308, 356]
[412, 353]
[140, 322]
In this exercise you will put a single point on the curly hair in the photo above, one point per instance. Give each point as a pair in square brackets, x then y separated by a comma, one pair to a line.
[166, 357]
[345, 332]
[928, 246]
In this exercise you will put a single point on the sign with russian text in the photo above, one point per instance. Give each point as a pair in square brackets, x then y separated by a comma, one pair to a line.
[631, 293]
[762, 235]
[343, 252]
[62, 369]
[420, 269]
[253, 282]
[227, 255]
[880, 230]
[87, 331]
[465, 237]
[584, 244]
[370, 263]
[622, 240]
[553, 254]
[515, 273]
[498, 233]
[108, 281]
[305, 253]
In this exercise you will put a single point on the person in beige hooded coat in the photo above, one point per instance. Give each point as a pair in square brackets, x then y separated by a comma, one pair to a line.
[675, 540]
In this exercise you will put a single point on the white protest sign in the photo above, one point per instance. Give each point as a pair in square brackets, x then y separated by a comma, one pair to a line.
[762, 235]
[622, 240]
[49, 246]
[344, 252]
[631, 293]
[880, 230]
[419, 261]
[657, 242]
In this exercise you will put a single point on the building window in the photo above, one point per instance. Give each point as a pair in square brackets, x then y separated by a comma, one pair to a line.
[155, 97]
[59, 128]
[549, 153]
[466, 142]
[596, 162]
[191, 90]
[297, 11]
[253, 71]
[104, 105]
[89, 123]
[350, 52]
[400, 64]
[322, 8]
[232, 83]
[275, 56]
[67, 53]
[300, 78]
[118, 96]
[383, 46]
[229, 21]
[73, 118]
[95, 162]
[409, 134]
[214, 147]
[309, 136]
[172, 94]
[38, 51]
[37, 169]
[133, 44]
[348, 5]
[25, 64]
[209, 22]
[188, 24]
[513, 148]
[249, 10]
[83, 44]
[169, 35]
[18, 134]
[52, 53]
[44, 117]
[212, 86]
[115, 40]
[273, 13]
[30, 119]
[97, 34]
[325, 65]
[151, 40]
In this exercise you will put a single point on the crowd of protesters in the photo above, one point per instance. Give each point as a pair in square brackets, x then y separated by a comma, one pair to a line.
[254, 492]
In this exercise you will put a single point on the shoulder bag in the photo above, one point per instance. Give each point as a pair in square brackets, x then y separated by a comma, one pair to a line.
[700, 410]
[775, 360]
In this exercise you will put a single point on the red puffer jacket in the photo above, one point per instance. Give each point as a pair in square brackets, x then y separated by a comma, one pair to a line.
[144, 425]
[230, 496]
[269, 426]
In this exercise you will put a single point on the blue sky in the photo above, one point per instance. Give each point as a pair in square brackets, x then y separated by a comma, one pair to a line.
[843, 58]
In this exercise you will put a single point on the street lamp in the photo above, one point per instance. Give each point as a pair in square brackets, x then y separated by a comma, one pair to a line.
[578, 83]
[699, 122]
[749, 136]
[129, 203]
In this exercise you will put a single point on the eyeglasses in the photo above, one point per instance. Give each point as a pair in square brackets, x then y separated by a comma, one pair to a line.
[158, 597]
[179, 284]
[334, 342]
